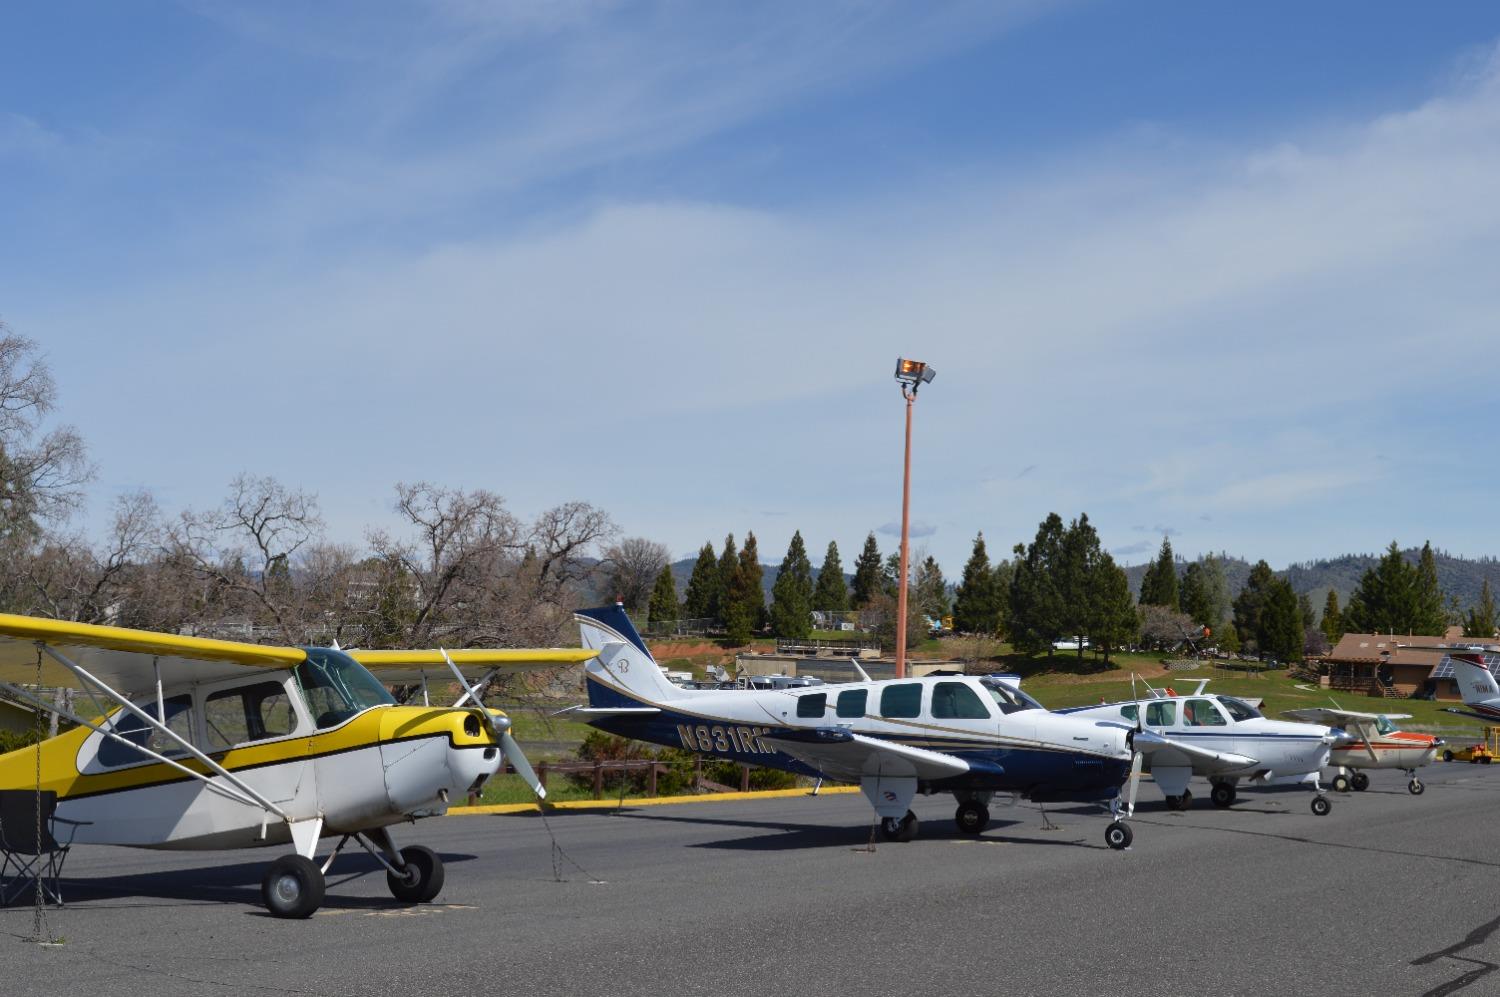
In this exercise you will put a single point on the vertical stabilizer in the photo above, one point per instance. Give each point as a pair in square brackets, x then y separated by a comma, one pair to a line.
[625, 674]
[1476, 683]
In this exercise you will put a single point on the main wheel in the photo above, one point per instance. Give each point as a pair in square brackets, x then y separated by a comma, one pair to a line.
[292, 887]
[1321, 806]
[1175, 803]
[1118, 835]
[1415, 787]
[1361, 782]
[1447, 755]
[1223, 794]
[1341, 783]
[1187, 798]
[902, 829]
[423, 877]
[971, 817]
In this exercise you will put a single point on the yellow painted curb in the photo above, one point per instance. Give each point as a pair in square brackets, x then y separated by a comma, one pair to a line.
[650, 801]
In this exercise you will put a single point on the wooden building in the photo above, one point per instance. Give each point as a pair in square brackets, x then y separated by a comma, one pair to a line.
[1390, 666]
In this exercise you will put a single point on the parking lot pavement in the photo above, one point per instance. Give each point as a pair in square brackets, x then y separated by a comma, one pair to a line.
[1390, 894]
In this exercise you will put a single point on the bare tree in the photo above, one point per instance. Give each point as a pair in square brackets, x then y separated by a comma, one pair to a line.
[633, 565]
[561, 538]
[1166, 628]
[69, 579]
[249, 548]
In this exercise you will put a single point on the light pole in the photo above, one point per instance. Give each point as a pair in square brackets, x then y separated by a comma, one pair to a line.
[911, 375]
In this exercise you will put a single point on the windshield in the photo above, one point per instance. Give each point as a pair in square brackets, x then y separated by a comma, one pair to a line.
[337, 687]
[1238, 709]
[1009, 699]
[1383, 725]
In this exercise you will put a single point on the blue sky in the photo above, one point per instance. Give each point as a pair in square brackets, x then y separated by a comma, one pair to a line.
[1219, 271]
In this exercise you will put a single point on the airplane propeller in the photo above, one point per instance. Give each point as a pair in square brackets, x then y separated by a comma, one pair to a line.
[1137, 757]
[500, 723]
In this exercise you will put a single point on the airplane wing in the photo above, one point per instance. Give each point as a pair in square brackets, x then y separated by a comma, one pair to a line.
[474, 662]
[127, 660]
[1164, 749]
[845, 756]
[1330, 717]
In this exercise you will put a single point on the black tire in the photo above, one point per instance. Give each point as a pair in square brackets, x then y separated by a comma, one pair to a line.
[1447, 756]
[1118, 836]
[1415, 787]
[292, 887]
[1174, 803]
[1321, 806]
[907, 829]
[1187, 798]
[1223, 795]
[971, 817]
[1341, 783]
[1485, 760]
[424, 878]
[1361, 782]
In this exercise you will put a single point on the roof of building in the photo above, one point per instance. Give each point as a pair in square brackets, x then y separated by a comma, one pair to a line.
[1405, 649]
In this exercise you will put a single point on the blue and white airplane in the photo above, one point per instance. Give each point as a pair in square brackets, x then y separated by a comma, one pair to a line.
[969, 736]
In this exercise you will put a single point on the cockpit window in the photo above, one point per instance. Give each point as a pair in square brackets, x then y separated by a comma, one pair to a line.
[1238, 709]
[1009, 698]
[1202, 713]
[1129, 713]
[337, 687]
[956, 701]
[1384, 726]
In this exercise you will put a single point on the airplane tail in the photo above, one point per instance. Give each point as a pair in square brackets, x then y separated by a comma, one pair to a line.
[625, 674]
[1476, 683]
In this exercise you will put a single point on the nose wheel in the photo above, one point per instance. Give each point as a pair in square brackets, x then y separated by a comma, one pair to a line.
[420, 877]
[1321, 806]
[1118, 835]
[902, 829]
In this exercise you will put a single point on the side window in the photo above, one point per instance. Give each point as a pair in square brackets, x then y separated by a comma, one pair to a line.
[1161, 714]
[852, 703]
[247, 713]
[179, 720]
[1202, 713]
[956, 701]
[900, 701]
[1128, 713]
[1237, 710]
[813, 705]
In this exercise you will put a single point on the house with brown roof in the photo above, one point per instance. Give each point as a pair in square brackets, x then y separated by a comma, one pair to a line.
[1393, 666]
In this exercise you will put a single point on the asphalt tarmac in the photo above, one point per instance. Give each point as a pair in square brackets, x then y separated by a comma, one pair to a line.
[1391, 894]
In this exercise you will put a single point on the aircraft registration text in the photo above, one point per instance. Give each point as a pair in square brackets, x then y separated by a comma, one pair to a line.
[723, 738]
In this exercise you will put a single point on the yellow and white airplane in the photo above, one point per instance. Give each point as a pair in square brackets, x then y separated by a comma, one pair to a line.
[212, 744]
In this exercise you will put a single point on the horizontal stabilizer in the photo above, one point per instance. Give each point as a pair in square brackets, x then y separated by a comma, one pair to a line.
[846, 756]
[594, 712]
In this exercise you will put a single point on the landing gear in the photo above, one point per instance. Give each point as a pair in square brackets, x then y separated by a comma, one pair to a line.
[972, 817]
[1415, 787]
[1182, 802]
[1361, 782]
[420, 877]
[1448, 754]
[1223, 794]
[1341, 783]
[1321, 806]
[1118, 835]
[292, 887]
[902, 830]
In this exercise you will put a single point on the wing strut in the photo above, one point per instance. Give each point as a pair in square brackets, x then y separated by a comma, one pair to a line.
[170, 734]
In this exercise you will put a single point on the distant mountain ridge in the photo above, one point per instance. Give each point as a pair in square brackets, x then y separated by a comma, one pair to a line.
[1459, 577]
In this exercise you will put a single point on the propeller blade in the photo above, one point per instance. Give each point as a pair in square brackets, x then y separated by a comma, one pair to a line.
[1137, 697]
[512, 749]
[1136, 762]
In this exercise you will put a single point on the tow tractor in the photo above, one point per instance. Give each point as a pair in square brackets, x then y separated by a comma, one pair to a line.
[1478, 753]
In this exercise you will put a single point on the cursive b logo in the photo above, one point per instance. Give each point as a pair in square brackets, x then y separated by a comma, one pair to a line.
[624, 665]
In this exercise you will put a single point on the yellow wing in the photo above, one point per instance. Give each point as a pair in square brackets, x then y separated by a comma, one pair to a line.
[412, 666]
[128, 659]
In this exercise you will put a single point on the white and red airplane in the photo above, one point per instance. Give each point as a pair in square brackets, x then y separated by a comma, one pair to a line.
[1381, 746]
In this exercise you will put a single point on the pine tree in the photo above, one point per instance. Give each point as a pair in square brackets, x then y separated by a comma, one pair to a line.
[1431, 613]
[1281, 632]
[831, 594]
[890, 574]
[1396, 597]
[730, 585]
[1114, 620]
[1332, 623]
[1249, 606]
[1159, 586]
[702, 600]
[1001, 578]
[1079, 556]
[754, 592]
[663, 606]
[1036, 609]
[976, 603]
[866, 575]
[1481, 621]
[792, 592]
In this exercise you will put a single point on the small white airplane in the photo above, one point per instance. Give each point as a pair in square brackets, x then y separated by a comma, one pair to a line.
[969, 736]
[1225, 739]
[210, 744]
[1381, 746]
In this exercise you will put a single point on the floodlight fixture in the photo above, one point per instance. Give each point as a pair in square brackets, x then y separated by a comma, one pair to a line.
[913, 373]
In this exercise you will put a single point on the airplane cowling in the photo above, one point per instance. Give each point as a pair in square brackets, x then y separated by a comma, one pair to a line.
[424, 773]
